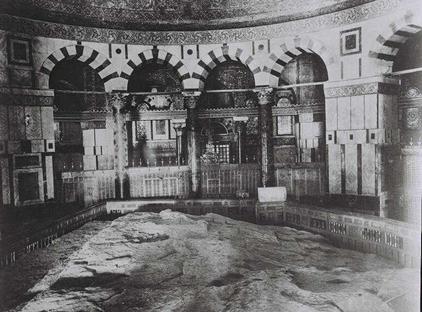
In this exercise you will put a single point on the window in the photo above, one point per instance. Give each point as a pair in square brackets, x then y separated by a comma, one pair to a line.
[20, 51]
[285, 125]
[350, 41]
[223, 152]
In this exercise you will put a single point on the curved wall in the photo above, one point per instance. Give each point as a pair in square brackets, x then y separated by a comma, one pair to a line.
[357, 44]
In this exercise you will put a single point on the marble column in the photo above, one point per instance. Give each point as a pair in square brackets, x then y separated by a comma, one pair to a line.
[119, 105]
[191, 103]
[240, 122]
[178, 125]
[265, 101]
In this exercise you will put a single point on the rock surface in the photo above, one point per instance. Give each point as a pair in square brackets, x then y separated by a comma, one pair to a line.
[174, 262]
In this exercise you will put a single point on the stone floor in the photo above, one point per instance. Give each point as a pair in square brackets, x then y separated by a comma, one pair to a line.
[29, 270]
[175, 262]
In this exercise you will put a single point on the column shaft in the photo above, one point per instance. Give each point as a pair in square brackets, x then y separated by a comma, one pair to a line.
[191, 100]
[265, 97]
[118, 103]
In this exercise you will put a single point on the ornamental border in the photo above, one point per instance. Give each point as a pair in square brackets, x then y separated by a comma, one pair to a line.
[81, 33]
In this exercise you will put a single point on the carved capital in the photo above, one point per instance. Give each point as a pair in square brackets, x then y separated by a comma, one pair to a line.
[265, 95]
[119, 101]
[178, 125]
[191, 99]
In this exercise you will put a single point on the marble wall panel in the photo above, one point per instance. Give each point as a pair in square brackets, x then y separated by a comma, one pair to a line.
[343, 106]
[368, 169]
[17, 123]
[334, 169]
[34, 125]
[357, 112]
[4, 123]
[351, 168]
[49, 176]
[331, 113]
[5, 183]
[371, 111]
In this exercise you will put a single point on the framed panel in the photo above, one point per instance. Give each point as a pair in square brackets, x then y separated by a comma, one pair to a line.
[160, 129]
[350, 41]
[29, 186]
[19, 51]
[284, 125]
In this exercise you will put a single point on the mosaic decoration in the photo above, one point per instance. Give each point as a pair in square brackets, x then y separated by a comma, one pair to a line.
[174, 14]
[156, 56]
[71, 32]
[221, 55]
[360, 89]
[411, 92]
[412, 118]
[351, 41]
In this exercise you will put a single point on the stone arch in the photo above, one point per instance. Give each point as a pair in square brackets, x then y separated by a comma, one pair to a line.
[159, 56]
[289, 50]
[94, 59]
[220, 55]
[389, 42]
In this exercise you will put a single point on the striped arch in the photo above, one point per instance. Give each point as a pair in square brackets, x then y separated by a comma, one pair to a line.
[87, 55]
[389, 42]
[221, 55]
[156, 56]
[291, 49]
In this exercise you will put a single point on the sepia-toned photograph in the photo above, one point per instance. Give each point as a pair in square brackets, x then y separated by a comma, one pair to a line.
[210, 155]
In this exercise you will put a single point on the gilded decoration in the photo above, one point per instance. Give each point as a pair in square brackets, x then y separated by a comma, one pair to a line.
[173, 14]
[361, 89]
[71, 32]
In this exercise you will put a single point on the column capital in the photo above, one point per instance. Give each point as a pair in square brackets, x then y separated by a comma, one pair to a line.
[191, 98]
[118, 100]
[178, 124]
[265, 95]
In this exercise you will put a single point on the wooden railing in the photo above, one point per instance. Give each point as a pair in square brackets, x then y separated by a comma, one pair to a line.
[229, 180]
[302, 179]
[86, 187]
[150, 182]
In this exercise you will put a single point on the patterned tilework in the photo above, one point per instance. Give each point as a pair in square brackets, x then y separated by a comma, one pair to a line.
[155, 56]
[92, 58]
[221, 55]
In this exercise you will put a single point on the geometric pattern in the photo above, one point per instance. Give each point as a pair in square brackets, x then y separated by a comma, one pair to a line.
[289, 50]
[221, 55]
[97, 61]
[157, 56]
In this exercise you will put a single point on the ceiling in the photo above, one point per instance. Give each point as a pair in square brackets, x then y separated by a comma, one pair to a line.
[172, 14]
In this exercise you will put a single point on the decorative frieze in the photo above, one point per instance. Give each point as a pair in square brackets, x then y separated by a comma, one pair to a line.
[361, 89]
[72, 32]
[26, 100]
